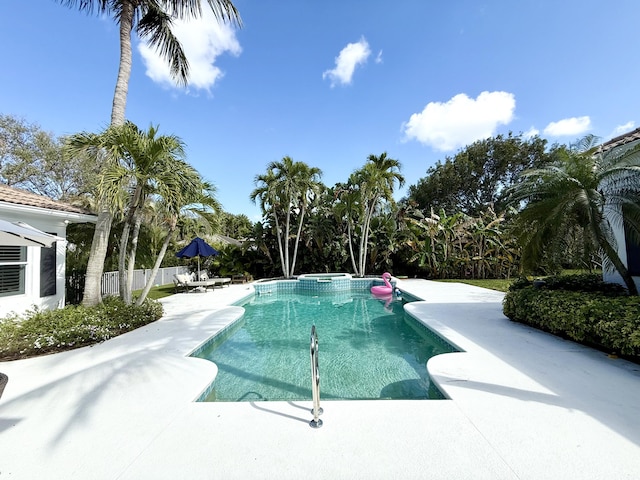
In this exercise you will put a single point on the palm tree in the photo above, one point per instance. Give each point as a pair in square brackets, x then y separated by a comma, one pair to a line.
[189, 195]
[283, 194]
[373, 184]
[266, 195]
[586, 188]
[322, 236]
[138, 165]
[151, 20]
[347, 210]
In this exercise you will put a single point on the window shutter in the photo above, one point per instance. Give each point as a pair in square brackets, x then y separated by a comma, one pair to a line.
[12, 263]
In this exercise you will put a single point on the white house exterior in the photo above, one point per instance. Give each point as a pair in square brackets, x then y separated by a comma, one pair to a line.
[35, 275]
[628, 250]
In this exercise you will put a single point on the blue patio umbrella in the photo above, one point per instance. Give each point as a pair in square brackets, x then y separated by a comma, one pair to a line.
[197, 248]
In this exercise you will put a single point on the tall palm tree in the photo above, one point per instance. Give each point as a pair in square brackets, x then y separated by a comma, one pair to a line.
[322, 236]
[374, 183]
[151, 20]
[347, 210]
[267, 196]
[585, 188]
[284, 193]
[138, 164]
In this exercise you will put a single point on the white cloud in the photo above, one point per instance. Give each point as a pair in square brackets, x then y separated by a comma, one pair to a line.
[568, 127]
[461, 120]
[532, 132]
[350, 57]
[203, 41]
[622, 129]
[379, 57]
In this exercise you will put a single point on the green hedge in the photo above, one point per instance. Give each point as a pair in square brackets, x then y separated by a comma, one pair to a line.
[607, 320]
[581, 282]
[40, 332]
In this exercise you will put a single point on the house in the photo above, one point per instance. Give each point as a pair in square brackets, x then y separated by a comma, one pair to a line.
[628, 250]
[33, 275]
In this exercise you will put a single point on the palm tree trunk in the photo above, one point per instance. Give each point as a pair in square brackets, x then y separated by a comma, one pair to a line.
[295, 250]
[122, 260]
[279, 236]
[131, 261]
[156, 267]
[285, 240]
[124, 69]
[124, 278]
[364, 241]
[92, 294]
[353, 257]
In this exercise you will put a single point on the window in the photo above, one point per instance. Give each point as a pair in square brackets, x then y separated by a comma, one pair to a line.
[12, 265]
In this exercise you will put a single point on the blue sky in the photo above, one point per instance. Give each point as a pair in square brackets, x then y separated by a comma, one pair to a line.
[330, 82]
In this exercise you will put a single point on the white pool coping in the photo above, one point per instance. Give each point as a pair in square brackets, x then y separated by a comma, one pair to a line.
[523, 405]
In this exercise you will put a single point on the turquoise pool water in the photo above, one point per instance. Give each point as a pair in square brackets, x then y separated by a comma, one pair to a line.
[368, 349]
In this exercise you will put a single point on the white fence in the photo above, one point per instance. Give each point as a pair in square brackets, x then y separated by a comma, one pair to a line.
[111, 282]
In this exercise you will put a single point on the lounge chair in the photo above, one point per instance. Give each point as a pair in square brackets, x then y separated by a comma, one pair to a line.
[180, 281]
[188, 283]
[222, 281]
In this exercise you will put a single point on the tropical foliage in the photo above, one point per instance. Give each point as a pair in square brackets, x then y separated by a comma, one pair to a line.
[477, 177]
[562, 214]
[461, 246]
[583, 188]
[284, 194]
[597, 315]
[151, 20]
[145, 176]
[39, 332]
[361, 198]
[32, 159]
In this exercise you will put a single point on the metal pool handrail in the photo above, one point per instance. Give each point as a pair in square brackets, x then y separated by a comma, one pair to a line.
[315, 380]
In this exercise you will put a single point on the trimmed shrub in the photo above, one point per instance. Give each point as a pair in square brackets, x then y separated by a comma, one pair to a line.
[48, 331]
[609, 321]
[584, 282]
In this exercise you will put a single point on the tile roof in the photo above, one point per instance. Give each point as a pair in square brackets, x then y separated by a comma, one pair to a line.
[621, 140]
[22, 197]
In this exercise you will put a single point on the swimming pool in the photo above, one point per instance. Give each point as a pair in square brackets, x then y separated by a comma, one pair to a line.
[369, 349]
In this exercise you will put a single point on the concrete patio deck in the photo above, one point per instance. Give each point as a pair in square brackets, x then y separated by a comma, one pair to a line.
[523, 405]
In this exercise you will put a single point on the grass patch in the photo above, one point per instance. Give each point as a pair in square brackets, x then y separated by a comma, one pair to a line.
[157, 292]
[578, 271]
[500, 285]
[39, 332]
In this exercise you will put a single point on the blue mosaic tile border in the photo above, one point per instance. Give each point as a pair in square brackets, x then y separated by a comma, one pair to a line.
[317, 285]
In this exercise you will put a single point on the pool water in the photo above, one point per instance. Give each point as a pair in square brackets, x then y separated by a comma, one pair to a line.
[368, 349]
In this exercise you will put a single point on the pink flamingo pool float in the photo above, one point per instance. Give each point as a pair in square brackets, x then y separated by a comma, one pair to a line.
[383, 290]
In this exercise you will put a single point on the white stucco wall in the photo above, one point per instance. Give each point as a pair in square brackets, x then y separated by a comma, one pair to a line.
[609, 273]
[614, 214]
[31, 296]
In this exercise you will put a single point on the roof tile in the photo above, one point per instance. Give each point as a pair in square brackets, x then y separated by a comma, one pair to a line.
[22, 197]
